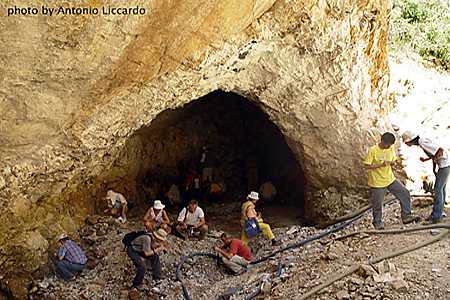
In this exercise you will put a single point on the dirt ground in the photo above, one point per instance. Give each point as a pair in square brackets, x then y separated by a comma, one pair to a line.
[420, 274]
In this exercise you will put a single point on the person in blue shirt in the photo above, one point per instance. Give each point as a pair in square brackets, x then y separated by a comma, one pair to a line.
[70, 258]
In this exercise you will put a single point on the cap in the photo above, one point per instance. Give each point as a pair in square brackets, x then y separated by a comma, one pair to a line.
[62, 236]
[409, 135]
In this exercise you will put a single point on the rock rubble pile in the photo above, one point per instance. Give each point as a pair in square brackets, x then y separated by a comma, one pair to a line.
[412, 276]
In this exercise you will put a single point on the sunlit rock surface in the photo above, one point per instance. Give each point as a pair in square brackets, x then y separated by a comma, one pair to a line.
[78, 91]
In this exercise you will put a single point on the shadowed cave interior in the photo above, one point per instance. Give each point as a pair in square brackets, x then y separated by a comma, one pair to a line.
[232, 128]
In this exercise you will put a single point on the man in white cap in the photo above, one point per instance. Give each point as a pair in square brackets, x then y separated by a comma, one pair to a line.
[117, 205]
[156, 217]
[144, 246]
[440, 157]
[70, 258]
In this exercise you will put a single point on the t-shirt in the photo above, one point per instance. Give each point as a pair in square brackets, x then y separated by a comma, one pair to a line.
[237, 247]
[429, 146]
[72, 252]
[268, 190]
[380, 177]
[191, 218]
[142, 243]
[115, 199]
[174, 192]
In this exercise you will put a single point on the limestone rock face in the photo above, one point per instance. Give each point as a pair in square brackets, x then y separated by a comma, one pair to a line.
[79, 91]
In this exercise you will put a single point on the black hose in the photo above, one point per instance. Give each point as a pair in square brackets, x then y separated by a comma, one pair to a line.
[183, 261]
[276, 252]
[259, 290]
[317, 236]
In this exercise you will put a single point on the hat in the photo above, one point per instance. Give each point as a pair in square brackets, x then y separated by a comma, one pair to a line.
[158, 205]
[409, 135]
[253, 195]
[160, 234]
[62, 236]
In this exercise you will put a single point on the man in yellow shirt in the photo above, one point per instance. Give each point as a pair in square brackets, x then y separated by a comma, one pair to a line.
[379, 161]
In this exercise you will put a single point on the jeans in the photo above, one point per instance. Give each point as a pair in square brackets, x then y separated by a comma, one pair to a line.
[140, 264]
[440, 193]
[66, 267]
[399, 191]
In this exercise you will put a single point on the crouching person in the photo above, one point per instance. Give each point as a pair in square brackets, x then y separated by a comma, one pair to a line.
[238, 256]
[144, 247]
[192, 218]
[70, 258]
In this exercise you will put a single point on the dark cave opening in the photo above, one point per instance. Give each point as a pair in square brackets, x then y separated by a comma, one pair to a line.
[232, 128]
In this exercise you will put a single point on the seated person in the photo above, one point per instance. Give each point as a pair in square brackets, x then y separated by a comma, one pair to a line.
[173, 194]
[156, 217]
[191, 218]
[117, 205]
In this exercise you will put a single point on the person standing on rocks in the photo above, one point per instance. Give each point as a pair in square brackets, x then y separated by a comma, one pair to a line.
[156, 217]
[249, 212]
[238, 256]
[379, 161]
[143, 247]
[191, 217]
[117, 205]
[70, 258]
[207, 164]
[441, 158]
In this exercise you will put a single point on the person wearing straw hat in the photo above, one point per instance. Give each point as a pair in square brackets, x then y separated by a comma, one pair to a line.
[440, 157]
[156, 217]
[147, 246]
[70, 258]
[249, 212]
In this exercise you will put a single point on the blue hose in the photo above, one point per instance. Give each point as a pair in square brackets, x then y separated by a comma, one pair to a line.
[259, 290]
[274, 253]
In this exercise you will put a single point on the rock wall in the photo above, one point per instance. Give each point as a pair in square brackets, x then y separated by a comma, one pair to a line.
[76, 87]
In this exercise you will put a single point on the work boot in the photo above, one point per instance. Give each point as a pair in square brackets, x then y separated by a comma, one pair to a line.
[160, 276]
[139, 287]
[429, 221]
[379, 227]
[241, 271]
[411, 219]
[275, 242]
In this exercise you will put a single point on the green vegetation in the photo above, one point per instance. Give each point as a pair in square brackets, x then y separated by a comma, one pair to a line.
[422, 26]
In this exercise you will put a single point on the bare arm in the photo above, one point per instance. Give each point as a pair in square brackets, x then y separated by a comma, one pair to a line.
[202, 222]
[155, 251]
[165, 218]
[225, 254]
[146, 218]
[383, 164]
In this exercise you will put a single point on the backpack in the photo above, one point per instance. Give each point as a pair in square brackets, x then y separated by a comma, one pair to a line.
[131, 236]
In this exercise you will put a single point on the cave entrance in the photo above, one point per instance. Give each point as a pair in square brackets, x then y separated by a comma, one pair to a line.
[232, 128]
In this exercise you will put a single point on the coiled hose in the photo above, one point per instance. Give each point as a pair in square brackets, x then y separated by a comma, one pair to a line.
[274, 253]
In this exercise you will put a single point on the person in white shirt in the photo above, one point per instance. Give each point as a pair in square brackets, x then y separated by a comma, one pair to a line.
[117, 205]
[191, 218]
[156, 217]
[440, 157]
